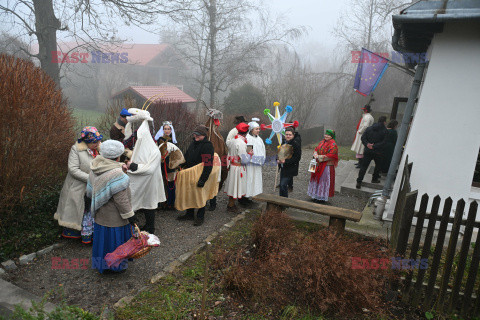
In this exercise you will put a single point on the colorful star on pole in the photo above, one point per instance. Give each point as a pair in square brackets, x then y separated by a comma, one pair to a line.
[278, 123]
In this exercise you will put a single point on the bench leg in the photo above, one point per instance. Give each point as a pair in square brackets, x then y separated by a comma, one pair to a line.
[337, 224]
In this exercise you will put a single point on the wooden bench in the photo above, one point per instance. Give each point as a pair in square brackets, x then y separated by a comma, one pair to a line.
[338, 216]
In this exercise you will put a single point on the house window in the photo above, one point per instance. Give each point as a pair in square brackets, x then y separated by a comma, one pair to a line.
[476, 173]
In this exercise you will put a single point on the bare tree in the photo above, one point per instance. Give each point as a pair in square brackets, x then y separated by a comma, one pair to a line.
[216, 37]
[87, 22]
[364, 23]
[13, 46]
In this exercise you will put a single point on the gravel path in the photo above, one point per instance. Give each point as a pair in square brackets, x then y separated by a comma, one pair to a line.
[92, 291]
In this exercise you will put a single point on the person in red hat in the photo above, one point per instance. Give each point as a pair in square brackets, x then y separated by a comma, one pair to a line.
[236, 183]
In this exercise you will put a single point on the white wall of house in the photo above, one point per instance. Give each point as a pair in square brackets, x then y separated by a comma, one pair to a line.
[444, 139]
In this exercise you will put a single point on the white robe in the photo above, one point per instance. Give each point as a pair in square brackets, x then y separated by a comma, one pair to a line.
[231, 135]
[236, 183]
[367, 121]
[254, 167]
[146, 183]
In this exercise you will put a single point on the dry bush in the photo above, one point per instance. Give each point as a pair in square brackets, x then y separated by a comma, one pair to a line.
[182, 119]
[283, 266]
[36, 131]
[112, 111]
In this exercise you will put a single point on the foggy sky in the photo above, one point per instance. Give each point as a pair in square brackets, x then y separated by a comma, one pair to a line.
[317, 15]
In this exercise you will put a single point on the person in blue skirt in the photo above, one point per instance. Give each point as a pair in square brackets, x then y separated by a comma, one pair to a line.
[111, 207]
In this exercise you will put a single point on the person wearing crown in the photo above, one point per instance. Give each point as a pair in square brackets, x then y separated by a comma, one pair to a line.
[238, 157]
[167, 141]
[166, 133]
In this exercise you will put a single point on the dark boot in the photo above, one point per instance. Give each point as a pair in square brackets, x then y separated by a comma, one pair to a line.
[213, 204]
[231, 207]
[187, 216]
[150, 221]
[200, 217]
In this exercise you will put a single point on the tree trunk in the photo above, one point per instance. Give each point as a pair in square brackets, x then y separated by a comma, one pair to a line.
[46, 25]
[212, 10]
[203, 69]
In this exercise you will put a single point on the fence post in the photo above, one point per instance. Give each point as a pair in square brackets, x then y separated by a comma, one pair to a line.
[447, 208]
[400, 205]
[467, 236]
[452, 245]
[418, 288]
[472, 275]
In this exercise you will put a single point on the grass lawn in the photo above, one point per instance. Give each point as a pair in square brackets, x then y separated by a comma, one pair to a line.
[179, 295]
[86, 117]
[344, 152]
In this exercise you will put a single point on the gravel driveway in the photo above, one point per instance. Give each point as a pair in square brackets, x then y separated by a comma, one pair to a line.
[92, 291]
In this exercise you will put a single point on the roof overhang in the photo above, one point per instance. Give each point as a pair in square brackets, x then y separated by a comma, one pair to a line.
[416, 25]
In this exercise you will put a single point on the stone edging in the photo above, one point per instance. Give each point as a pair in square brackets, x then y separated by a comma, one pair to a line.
[27, 258]
[172, 266]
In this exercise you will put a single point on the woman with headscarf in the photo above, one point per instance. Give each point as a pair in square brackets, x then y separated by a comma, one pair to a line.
[254, 167]
[73, 211]
[166, 141]
[166, 132]
[108, 187]
[322, 181]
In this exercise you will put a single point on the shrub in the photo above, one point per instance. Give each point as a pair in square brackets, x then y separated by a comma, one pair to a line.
[18, 237]
[183, 121]
[112, 111]
[285, 267]
[36, 131]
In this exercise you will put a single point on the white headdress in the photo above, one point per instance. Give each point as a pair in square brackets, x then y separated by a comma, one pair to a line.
[253, 124]
[137, 115]
[160, 132]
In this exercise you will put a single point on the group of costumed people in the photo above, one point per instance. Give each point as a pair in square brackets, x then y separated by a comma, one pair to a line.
[109, 183]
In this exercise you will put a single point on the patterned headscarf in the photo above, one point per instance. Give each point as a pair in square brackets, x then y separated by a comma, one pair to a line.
[331, 133]
[89, 135]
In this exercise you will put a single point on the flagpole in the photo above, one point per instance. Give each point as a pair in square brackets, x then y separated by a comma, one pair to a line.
[399, 66]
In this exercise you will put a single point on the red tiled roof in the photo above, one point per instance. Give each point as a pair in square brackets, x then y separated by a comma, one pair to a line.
[141, 54]
[169, 93]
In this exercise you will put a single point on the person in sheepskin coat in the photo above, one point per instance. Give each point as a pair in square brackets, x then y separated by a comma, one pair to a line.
[72, 214]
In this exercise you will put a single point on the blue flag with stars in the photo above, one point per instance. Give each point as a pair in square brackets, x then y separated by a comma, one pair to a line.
[370, 70]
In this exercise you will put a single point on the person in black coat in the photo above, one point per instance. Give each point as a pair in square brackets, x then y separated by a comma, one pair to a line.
[289, 167]
[374, 139]
[200, 150]
[298, 139]
[390, 144]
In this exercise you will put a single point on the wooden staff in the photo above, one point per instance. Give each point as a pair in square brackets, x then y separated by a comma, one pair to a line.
[276, 176]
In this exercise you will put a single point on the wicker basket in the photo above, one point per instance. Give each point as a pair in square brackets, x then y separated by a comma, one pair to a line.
[145, 250]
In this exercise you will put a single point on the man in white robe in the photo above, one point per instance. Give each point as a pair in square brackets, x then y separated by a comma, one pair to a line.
[254, 167]
[232, 133]
[365, 122]
[145, 171]
[236, 183]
